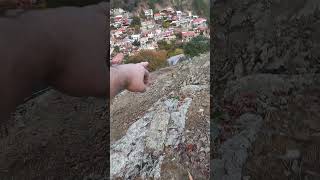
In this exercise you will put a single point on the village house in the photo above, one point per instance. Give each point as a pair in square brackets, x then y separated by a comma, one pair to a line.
[151, 31]
[157, 17]
[146, 25]
[187, 36]
[135, 37]
[115, 12]
[118, 18]
[178, 13]
[150, 35]
[201, 29]
[117, 59]
[170, 10]
[148, 13]
[198, 21]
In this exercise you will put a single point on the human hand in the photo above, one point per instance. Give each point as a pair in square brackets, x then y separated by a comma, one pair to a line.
[137, 76]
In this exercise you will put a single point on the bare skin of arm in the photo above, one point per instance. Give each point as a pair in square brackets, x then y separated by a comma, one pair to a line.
[133, 77]
[65, 48]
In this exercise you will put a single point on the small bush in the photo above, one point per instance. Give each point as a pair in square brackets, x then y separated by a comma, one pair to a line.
[135, 22]
[156, 59]
[175, 52]
[197, 46]
[166, 24]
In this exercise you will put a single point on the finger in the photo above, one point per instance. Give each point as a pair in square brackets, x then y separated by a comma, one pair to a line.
[144, 64]
[141, 87]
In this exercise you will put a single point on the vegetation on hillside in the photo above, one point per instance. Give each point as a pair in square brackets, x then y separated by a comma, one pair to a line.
[200, 7]
[173, 48]
[197, 46]
[156, 59]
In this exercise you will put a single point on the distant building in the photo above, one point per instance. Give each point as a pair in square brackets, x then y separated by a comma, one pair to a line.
[187, 36]
[116, 12]
[148, 13]
[135, 37]
[157, 16]
[199, 21]
[170, 9]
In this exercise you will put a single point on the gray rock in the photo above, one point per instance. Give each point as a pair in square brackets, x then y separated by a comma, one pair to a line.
[140, 151]
[192, 89]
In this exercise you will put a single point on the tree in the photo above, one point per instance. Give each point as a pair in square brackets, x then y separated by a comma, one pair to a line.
[142, 15]
[135, 21]
[196, 46]
[163, 45]
[175, 52]
[136, 29]
[179, 35]
[136, 43]
[165, 24]
[117, 49]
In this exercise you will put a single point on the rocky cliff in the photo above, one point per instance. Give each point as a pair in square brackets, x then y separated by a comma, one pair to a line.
[164, 133]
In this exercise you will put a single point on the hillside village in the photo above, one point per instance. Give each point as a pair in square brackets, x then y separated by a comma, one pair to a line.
[132, 32]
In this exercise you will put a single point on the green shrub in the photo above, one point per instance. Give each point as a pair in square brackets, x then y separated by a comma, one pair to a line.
[135, 21]
[165, 24]
[136, 43]
[175, 52]
[196, 46]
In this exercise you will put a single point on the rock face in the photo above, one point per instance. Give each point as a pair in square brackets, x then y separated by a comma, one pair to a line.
[166, 133]
[266, 69]
[140, 151]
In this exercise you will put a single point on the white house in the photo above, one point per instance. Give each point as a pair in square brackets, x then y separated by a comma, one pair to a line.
[150, 35]
[157, 16]
[148, 13]
[135, 37]
[199, 21]
[116, 12]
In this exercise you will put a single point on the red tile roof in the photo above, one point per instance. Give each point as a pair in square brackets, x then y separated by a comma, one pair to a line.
[198, 20]
[188, 34]
[117, 59]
